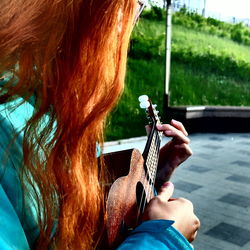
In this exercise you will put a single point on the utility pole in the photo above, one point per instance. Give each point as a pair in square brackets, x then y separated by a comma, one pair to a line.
[168, 52]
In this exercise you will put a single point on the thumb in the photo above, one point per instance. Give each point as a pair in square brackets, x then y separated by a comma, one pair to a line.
[166, 191]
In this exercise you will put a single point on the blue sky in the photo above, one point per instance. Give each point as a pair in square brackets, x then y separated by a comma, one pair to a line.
[221, 8]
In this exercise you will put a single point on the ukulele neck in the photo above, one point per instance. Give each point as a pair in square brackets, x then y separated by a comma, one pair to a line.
[151, 154]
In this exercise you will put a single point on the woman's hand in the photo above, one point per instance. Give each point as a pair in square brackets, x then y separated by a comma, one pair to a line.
[180, 210]
[174, 152]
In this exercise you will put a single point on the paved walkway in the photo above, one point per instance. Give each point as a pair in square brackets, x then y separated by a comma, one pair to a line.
[217, 180]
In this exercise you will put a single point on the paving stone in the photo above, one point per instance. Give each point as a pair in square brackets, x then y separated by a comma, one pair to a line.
[235, 199]
[204, 245]
[205, 156]
[241, 163]
[209, 146]
[231, 233]
[186, 186]
[244, 143]
[198, 169]
[244, 135]
[216, 138]
[239, 178]
[205, 242]
[246, 247]
[244, 152]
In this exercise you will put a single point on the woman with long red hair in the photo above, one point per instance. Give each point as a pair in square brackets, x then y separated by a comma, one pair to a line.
[62, 67]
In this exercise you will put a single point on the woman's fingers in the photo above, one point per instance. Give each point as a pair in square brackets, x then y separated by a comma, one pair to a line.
[180, 210]
[166, 191]
[196, 227]
[179, 126]
[189, 223]
[171, 131]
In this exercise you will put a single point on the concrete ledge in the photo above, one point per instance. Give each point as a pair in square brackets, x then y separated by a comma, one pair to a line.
[212, 118]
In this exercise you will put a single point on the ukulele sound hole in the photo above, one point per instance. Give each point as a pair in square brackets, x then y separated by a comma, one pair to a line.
[140, 197]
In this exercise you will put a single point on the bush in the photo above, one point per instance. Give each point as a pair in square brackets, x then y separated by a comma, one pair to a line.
[213, 30]
[196, 17]
[213, 22]
[154, 13]
[246, 40]
[237, 32]
[237, 36]
[223, 34]
[146, 48]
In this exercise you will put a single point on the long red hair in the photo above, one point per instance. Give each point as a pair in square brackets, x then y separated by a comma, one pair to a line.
[71, 56]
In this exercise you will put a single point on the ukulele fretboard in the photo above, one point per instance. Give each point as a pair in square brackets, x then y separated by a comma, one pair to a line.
[153, 155]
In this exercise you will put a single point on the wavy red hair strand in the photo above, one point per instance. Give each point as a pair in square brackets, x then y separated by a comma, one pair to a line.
[71, 55]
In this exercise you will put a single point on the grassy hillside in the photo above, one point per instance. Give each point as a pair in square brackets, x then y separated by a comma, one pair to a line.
[209, 67]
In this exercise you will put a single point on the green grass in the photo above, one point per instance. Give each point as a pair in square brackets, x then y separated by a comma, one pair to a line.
[205, 70]
[149, 28]
[191, 87]
[203, 43]
[199, 42]
[128, 119]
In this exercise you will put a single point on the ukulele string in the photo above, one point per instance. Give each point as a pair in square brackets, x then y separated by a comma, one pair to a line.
[150, 164]
[145, 194]
[152, 167]
[143, 178]
[156, 158]
[142, 199]
[159, 135]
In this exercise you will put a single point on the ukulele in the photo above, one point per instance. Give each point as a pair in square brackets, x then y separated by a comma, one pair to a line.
[134, 186]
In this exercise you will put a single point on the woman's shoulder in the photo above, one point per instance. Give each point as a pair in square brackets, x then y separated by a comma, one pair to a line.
[12, 235]
[11, 229]
[13, 214]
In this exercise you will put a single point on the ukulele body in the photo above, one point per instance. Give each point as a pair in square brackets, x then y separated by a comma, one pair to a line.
[127, 195]
[132, 181]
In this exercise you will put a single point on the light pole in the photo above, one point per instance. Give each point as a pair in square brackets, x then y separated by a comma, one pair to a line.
[168, 52]
[204, 9]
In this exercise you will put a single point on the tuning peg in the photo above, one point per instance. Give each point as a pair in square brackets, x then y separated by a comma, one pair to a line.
[144, 104]
[143, 98]
[154, 106]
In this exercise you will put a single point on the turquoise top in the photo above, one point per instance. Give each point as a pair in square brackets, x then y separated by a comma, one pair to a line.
[156, 234]
[18, 224]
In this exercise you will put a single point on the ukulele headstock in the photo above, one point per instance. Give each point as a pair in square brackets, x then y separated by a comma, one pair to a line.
[152, 113]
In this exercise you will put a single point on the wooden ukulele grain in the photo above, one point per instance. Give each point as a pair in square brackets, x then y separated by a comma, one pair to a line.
[121, 202]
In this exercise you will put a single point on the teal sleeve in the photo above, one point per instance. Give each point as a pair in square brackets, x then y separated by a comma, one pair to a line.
[12, 235]
[156, 234]
[18, 222]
